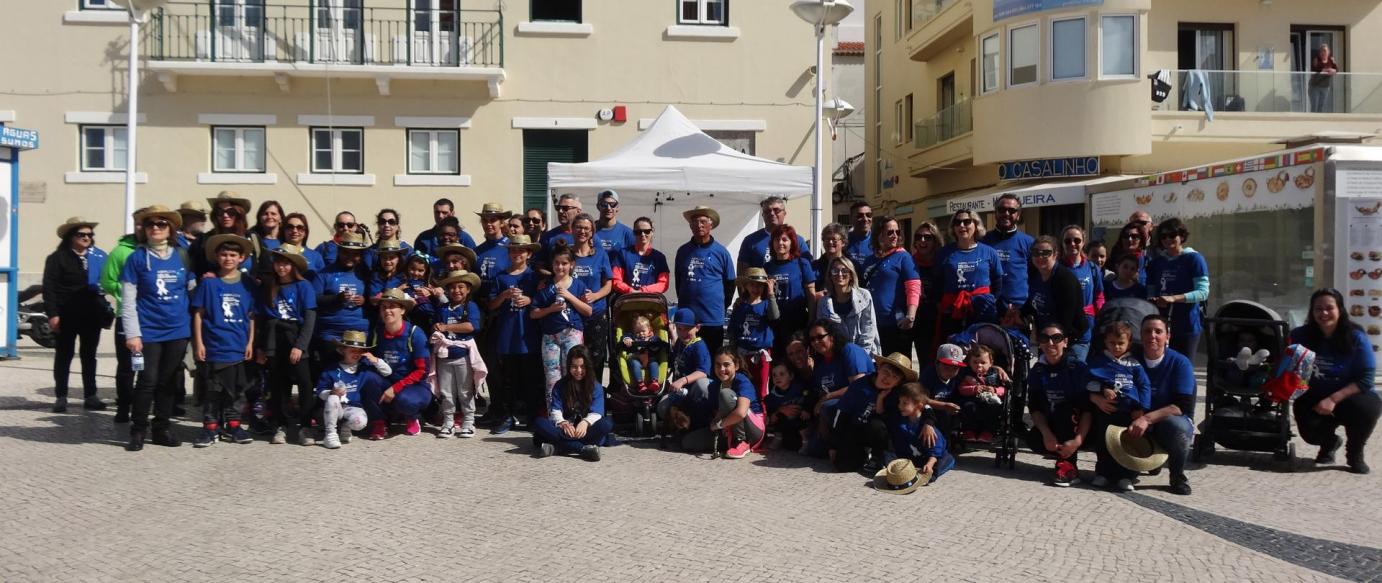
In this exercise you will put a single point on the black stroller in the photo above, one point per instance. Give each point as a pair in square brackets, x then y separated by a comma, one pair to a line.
[1129, 310]
[1237, 414]
[1013, 355]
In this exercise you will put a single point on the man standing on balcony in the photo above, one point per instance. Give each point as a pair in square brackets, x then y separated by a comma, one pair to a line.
[426, 242]
[753, 251]
[1013, 248]
[1322, 69]
[858, 249]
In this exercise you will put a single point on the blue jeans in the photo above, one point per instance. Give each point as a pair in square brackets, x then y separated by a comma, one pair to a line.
[1174, 435]
[406, 403]
[636, 369]
[545, 431]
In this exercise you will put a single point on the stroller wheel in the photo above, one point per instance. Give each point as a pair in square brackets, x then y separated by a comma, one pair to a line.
[638, 424]
[1286, 460]
[653, 427]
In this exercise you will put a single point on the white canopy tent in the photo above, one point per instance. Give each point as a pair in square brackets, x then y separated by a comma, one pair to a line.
[673, 166]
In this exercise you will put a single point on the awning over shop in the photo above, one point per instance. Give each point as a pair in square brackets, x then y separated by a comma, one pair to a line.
[1051, 193]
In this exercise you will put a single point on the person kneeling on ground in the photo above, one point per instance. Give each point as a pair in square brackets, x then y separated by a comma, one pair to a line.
[1120, 391]
[859, 437]
[577, 421]
[341, 389]
[1168, 419]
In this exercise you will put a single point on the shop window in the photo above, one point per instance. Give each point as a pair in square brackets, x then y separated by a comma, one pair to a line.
[1024, 50]
[434, 152]
[338, 150]
[712, 12]
[1068, 49]
[104, 148]
[988, 47]
[237, 149]
[1118, 46]
[556, 10]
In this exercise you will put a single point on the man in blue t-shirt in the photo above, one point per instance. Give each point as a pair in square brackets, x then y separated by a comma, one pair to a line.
[1013, 247]
[754, 250]
[427, 241]
[705, 275]
[859, 246]
[1168, 420]
[610, 234]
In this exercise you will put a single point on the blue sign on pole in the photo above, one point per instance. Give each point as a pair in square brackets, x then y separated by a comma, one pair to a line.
[18, 139]
[1049, 168]
[1010, 8]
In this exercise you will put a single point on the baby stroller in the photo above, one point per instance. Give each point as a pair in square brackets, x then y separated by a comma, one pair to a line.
[1012, 354]
[1237, 415]
[1130, 310]
[625, 398]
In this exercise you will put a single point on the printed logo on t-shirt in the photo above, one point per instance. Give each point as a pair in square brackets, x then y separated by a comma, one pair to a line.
[166, 284]
[393, 357]
[782, 282]
[962, 268]
[752, 322]
[230, 308]
[487, 266]
[582, 271]
[640, 269]
[346, 287]
[695, 265]
[1004, 255]
[285, 308]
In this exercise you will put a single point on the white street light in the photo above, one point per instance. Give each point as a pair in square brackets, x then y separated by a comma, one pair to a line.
[820, 14]
[139, 12]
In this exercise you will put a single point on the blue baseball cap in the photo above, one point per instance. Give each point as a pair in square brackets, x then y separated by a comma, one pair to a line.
[685, 317]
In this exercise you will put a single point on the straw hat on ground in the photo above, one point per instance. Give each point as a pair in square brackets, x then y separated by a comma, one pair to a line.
[900, 476]
[1139, 454]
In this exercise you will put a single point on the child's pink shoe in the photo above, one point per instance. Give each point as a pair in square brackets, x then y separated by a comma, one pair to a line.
[378, 430]
[414, 427]
[738, 451]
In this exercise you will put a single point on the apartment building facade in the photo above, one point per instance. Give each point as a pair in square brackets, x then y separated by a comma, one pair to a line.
[329, 105]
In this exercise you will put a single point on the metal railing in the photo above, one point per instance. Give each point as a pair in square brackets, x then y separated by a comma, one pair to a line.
[1277, 92]
[946, 124]
[924, 10]
[251, 32]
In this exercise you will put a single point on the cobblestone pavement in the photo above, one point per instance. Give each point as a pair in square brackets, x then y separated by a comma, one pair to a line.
[77, 507]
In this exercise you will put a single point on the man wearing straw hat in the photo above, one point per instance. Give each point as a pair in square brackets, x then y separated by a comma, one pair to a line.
[195, 214]
[705, 275]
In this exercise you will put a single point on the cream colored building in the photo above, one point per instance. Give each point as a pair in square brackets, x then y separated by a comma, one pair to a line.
[363, 104]
[961, 86]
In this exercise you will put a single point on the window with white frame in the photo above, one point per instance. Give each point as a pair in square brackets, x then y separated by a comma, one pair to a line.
[1024, 50]
[712, 12]
[1068, 48]
[338, 150]
[1118, 46]
[554, 10]
[237, 149]
[434, 152]
[99, 5]
[988, 47]
[104, 149]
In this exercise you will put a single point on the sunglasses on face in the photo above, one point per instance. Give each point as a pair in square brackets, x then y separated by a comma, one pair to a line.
[295, 227]
[964, 222]
[927, 237]
[1009, 210]
[533, 220]
[226, 212]
[388, 222]
[1169, 235]
[864, 216]
[839, 271]
[604, 206]
[892, 232]
[641, 232]
[342, 226]
[776, 211]
[1051, 338]
[1073, 241]
[84, 234]
[562, 209]
[819, 337]
[1133, 236]
[1043, 253]
[157, 224]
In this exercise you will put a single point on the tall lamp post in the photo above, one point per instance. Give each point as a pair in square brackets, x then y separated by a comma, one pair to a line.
[820, 14]
[139, 13]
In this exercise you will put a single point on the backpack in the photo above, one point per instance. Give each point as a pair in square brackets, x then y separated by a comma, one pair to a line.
[1291, 375]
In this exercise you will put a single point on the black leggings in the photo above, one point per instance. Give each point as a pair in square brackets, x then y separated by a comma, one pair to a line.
[124, 375]
[521, 392]
[854, 440]
[597, 340]
[157, 383]
[1357, 414]
[70, 328]
[283, 374]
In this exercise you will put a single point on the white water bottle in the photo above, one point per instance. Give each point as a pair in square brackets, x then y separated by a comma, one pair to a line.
[137, 361]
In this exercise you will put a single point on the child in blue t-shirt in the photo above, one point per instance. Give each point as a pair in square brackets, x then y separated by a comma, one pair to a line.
[222, 333]
[749, 329]
[915, 437]
[740, 414]
[416, 277]
[1126, 285]
[786, 413]
[1116, 375]
[561, 315]
[457, 321]
[515, 337]
[340, 388]
[288, 316]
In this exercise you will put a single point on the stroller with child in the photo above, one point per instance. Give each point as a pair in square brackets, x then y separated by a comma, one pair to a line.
[1246, 339]
[1012, 354]
[628, 395]
[1128, 310]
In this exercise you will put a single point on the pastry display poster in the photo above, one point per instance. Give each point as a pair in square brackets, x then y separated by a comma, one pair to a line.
[1358, 234]
[1243, 187]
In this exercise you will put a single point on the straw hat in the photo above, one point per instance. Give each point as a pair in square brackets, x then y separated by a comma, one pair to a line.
[293, 254]
[703, 211]
[466, 252]
[354, 241]
[1139, 454]
[900, 476]
[354, 339]
[246, 245]
[72, 223]
[462, 276]
[494, 209]
[233, 198]
[522, 242]
[396, 296]
[754, 274]
[194, 207]
[391, 246]
[158, 210]
[900, 361]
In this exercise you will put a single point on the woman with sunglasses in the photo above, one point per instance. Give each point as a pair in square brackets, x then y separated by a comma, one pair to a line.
[641, 269]
[1091, 278]
[1054, 297]
[1178, 282]
[971, 277]
[76, 307]
[1132, 240]
[1057, 400]
[154, 285]
[390, 229]
[534, 223]
[848, 305]
[927, 242]
[295, 231]
[228, 212]
[891, 277]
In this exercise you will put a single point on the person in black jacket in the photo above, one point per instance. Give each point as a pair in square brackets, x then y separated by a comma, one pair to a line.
[1054, 294]
[76, 307]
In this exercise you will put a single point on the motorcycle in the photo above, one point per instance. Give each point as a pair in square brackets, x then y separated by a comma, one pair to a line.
[33, 319]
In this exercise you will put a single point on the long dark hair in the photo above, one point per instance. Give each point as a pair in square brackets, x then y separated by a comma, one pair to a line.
[879, 224]
[271, 284]
[259, 228]
[1121, 246]
[833, 329]
[578, 394]
[1342, 341]
[306, 227]
[241, 227]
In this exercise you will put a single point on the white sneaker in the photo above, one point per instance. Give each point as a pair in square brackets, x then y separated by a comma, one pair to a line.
[1099, 482]
[280, 436]
[1124, 485]
[466, 433]
[306, 437]
[331, 441]
[344, 434]
[446, 432]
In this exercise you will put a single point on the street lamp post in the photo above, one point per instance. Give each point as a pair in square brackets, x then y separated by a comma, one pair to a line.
[139, 12]
[820, 14]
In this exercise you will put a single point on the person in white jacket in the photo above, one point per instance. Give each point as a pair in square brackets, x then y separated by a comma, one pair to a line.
[844, 302]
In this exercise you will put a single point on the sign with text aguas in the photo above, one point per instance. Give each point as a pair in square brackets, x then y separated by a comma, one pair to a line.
[18, 139]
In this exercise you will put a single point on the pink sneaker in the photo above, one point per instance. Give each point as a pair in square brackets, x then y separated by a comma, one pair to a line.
[378, 430]
[414, 427]
[738, 451]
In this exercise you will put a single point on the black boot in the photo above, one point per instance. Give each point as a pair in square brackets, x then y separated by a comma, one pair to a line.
[1327, 449]
[165, 437]
[1356, 463]
[122, 411]
[136, 440]
[60, 405]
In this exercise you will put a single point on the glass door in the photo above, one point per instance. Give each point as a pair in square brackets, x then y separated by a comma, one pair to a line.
[239, 30]
[338, 24]
[434, 32]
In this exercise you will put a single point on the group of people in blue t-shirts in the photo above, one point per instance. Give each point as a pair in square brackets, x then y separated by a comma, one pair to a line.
[313, 344]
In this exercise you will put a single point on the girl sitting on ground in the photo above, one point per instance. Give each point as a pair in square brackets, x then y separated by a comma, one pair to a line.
[576, 422]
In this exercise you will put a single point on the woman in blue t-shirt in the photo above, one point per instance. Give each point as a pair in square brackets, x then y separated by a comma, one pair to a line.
[593, 269]
[971, 277]
[295, 232]
[404, 346]
[927, 242]
[1178, 281]
[154, 283]
[891, 277]
[1342, 392]
[794, 285]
